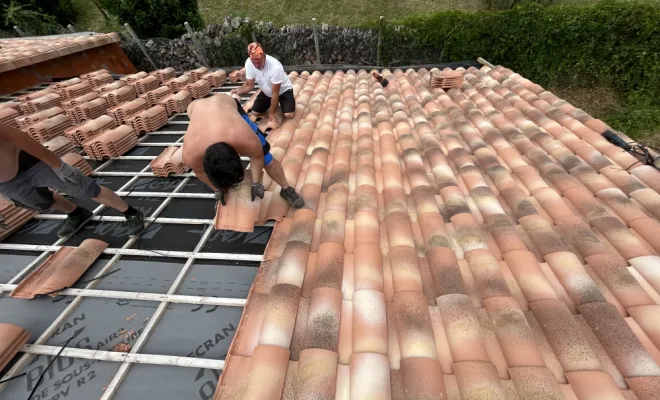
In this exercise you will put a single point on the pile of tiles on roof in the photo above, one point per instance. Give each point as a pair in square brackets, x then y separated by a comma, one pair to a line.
[446, 79]
[77, 160]
[479, 242]
[176, 103]
[199, 88]
[12, 217]
[237, 75]
[155, 95]
[196, 74]
[60, 145]
[111, 143]
[164, 74]
[216, 78]
[170, 161]
[21, 52]
[149, 120]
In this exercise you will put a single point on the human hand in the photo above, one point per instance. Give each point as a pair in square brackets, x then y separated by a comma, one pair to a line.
[273, 121]
[258, 190]
[234, 91]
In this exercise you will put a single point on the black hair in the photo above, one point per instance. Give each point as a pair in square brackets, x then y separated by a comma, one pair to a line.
[223, 166]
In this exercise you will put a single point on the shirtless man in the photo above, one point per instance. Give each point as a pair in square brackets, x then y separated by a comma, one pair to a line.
[28, 169]
[219, 133]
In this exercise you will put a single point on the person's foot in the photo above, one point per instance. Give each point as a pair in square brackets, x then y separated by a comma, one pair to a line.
[134, 224]
[72, 224]
[290, 195]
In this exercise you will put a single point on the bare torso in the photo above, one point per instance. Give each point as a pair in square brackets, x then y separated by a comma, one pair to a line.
[215, 119]
[8, 160]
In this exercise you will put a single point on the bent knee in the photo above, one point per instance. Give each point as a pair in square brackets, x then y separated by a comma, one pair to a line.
[289, 115]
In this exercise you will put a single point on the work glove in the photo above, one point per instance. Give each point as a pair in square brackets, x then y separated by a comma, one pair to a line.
[258, 190]
[220, 196]
[69, 174]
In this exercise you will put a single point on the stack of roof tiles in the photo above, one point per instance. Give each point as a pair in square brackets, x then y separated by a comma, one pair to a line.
[216, 78]
[60, 145]
[12, 217]
[57, 86]
[237, 75]
[483, 242]
[14, 105]
[164, 74]
[49, 128]
[196, 74]
[89, 110]
[145, 84]
[36, 95]
[176, 103]
[73, 91]
[76, 160]
[149, 120]
[12, 339]
[155, 95]
[111, 143]
[170, 161]
[177, 84]
[446, 79]
[133, 77]
[91, 128]
[199, 89]
[27, 120]
[92, 74]
[109, 87]
[41, 103]
[8, 116]
[80, 100]
[125, 110]
[99, 80]
[119, 96]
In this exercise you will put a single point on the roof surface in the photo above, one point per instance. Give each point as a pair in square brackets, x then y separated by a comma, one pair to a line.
[476, 243]
[22, 52]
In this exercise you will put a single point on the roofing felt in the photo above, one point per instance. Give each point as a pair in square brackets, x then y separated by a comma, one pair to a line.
[483, 242]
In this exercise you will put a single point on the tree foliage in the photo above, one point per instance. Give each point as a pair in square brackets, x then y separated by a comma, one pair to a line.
[155, 18]
[38, 17]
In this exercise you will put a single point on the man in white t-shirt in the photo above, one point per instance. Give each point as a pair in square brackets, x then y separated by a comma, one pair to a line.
[276, 88]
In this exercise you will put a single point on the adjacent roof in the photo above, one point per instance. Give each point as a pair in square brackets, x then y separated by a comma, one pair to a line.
[480, 243]
[22, 52]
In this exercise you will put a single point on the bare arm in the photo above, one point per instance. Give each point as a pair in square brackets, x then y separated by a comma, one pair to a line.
[24, 142]
[245, 88]
[275, 100]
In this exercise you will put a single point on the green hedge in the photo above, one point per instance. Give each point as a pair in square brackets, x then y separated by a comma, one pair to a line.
[611, 43]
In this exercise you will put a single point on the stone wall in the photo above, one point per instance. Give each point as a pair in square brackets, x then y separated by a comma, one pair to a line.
[225, 45]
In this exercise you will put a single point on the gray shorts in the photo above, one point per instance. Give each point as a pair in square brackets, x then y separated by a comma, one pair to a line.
[30, 188]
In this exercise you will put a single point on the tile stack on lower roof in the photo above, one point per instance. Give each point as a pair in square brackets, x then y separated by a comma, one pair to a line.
[80, 100]
[89, 129]
[12, 217]
[481, 242]
[8, 116]
[111, 143]
[170, 161]
[99, 80]
[36, 95]
[57, 86]
[176, 103]
[41, 103]
[89, 75]
[27, 120]
[60, 145]
[73, 91]
[164, 74]
[446, 79]
[154, 96]
[199, 88]
[125, 110]
[196, 74]
[180, 83]
[119, 96]
[109, 87]
[237, 75]
[89, 110]
[133, 77]
[12, 339]
[146, 84]
[14, 105]
[216, 78]
[49, 128]
[149, 120]
[76, 160]
[60, 270]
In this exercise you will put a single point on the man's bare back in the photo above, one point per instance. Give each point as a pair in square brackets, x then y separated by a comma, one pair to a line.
[215, 119]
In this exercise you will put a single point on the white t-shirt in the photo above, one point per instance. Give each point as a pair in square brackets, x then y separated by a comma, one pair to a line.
[272, 73]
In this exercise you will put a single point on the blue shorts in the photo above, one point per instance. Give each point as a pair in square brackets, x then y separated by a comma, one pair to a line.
[268, 158]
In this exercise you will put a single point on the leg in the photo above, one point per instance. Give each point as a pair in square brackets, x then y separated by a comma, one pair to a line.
[275, 171]
[63, 205]
[288, 104]
[109, 198]
[261, 104]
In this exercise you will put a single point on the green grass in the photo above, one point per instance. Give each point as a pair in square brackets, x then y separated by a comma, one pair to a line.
[346, 12]
[91, 19]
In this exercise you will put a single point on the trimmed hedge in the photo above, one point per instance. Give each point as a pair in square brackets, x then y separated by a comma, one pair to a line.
[612, 43]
